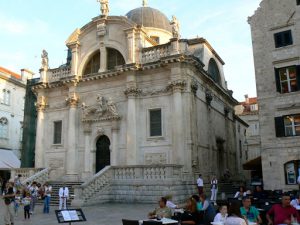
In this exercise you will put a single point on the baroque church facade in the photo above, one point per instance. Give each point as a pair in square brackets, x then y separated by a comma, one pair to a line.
[135, 95]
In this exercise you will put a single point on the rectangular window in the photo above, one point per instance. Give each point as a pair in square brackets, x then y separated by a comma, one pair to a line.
[287, 126]
[155, 122]
[57, 132]
[283, 38]
[292, 172]
[5, 98]
[287, 79]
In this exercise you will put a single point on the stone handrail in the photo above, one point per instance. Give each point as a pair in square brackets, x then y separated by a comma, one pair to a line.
[148, 172]
[24, 172]
[59, 73]
[40, 177]
[102, 180]
[88, 189]
[153, 54]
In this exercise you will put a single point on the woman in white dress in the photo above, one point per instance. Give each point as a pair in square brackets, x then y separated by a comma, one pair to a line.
[222, 215]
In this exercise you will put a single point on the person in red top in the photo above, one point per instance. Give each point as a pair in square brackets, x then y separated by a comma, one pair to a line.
[283, 213]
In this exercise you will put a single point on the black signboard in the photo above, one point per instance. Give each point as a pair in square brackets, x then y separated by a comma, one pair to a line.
[70, 216]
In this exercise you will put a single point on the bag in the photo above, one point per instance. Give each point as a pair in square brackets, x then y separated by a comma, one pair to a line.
[7, 201]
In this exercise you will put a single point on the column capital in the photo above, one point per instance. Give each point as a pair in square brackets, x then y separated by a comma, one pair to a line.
[41, 104]
[72, 100]
[177, 85]
[132, 92]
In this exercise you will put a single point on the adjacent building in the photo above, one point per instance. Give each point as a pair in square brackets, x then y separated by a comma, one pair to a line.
[251, 156]
[12, 95]
[275, 28]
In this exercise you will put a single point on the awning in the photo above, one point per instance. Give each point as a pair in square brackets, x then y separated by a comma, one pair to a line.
[8, 160]
[254, 164]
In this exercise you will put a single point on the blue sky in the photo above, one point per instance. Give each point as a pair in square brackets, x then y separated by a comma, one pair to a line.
[28, 26]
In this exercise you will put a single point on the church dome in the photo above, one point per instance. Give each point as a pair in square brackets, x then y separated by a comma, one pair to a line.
[149, 17]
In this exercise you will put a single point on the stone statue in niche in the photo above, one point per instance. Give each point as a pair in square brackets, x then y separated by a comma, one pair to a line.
[101, 29]
[175, 27]
[45, 60]
[103, 109]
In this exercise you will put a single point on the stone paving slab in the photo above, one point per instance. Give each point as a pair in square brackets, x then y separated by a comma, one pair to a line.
[102, 214]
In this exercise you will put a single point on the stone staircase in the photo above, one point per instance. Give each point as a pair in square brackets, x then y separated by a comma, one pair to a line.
[228, 188]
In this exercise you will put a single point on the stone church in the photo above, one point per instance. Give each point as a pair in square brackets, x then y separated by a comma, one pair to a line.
[136, 109]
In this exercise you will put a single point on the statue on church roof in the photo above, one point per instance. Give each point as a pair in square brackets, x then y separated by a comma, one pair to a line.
[104, 7]
[175, 27]
[45, 60]
[145, 3]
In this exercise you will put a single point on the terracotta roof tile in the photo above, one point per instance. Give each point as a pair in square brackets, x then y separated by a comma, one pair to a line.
[13, 74]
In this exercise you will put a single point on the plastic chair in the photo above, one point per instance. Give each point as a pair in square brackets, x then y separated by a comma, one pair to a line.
[130, 222]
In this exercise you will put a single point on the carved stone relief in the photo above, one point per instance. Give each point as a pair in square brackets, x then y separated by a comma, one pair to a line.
[155, 158]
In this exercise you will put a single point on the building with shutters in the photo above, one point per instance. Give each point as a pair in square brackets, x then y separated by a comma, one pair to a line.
[137, 108]
[251, 157]
[275, 28]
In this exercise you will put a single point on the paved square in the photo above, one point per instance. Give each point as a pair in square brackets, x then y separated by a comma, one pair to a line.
[102, 214]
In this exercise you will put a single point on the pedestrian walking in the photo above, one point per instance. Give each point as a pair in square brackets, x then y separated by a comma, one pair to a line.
[47, 190]
[34, 196]
[26, 201]
[9, 198]
[214, 189]
[200, 184]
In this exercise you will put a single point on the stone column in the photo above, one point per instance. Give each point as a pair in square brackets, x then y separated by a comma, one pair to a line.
[114, 148]
[131, 45]
[74, 63]
[103, 58]
[71, 154]
[131, 92]
[87, 150]
[39, 141]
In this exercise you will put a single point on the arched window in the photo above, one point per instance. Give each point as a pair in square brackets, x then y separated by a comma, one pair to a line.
[114, 58]
[93, 64]
[213, 71]
[3, 127]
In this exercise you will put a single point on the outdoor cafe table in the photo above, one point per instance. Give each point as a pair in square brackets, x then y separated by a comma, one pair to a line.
[163, 220]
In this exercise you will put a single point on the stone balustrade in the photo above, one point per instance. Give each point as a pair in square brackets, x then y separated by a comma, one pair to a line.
[155, 53]
[58, 73]
[41, 177]
[24, 172]
[114, 182]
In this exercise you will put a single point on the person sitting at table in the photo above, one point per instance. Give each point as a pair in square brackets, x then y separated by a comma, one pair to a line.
[296, 202]
[198, 202]
[259, 193]
[190, 215]
[250, 212]
[234, 215]
[162, 211]
[222, 215]
[208, 209]
[282, 213]
[241, 193]
[169, 203]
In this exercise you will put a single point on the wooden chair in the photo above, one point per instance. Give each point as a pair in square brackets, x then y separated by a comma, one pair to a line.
[130, 222]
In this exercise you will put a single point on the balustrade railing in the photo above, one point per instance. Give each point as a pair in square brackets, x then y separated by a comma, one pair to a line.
[41, 177]
[153, 54]
[59, 73]
[24, 172]
[102, 180]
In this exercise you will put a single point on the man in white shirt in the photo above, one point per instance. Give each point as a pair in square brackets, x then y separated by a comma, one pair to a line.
[296, 202]
[63, 196]
[200, 184]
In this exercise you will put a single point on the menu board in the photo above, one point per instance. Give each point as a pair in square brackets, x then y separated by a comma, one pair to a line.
[70, 215]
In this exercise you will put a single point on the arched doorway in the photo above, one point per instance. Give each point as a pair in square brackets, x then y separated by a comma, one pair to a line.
[102, 153]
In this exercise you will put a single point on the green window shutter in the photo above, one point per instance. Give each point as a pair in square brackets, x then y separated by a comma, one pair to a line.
[279, 127]
[298, 77]
[277, 79]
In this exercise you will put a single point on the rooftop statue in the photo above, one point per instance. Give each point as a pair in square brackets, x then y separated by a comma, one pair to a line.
[45, 60]
[145, 3]
[175, 27]
[104, 7]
